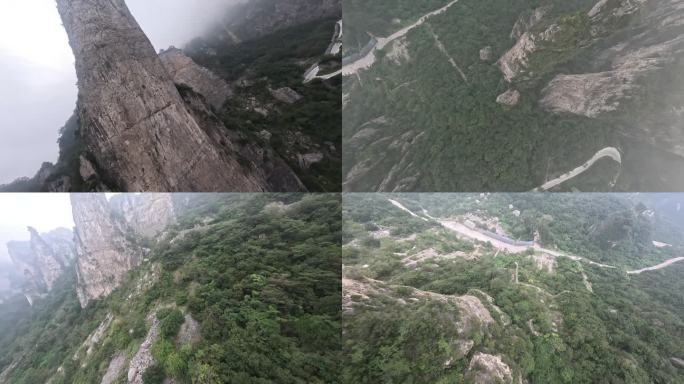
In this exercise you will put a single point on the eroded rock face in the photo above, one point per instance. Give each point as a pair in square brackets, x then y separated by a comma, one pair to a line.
[509, 98]
[114, 370]
[146, 214]
[184, 71]
[42, 259]
[104, 253]
[143, 358]
[133, 121]
[648, 51]
[286, 95]
[489, 369]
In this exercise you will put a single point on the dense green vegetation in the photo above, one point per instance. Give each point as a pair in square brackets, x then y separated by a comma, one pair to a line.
[261, 277]
[551, 327]
[442, 133]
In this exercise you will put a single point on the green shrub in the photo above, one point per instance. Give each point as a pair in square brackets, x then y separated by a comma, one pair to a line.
[170, 324]
[154, 375]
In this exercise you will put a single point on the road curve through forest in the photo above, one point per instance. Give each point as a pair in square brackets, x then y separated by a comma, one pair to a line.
[611, 152]
[500, 245]
[333, 49]
[368, 59]
[656, 267]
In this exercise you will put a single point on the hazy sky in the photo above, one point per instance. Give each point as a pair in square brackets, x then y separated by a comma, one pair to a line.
[44, 212]
[37, 77]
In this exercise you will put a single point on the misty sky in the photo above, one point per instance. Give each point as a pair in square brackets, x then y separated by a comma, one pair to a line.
[44, 212]
[37, 77]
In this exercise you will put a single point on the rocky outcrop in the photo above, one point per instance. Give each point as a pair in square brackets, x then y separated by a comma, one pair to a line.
[104, 252]
[146, 214]
[509, 98]
[486, 53]
[286, 95]
[49, 264]
[135, 126]
[108, 237]
[185, 72]
[189, 332]
[648, 50]
[41, 260]
[143, 359]
[488, 369]
[528, 20]
[114, 370]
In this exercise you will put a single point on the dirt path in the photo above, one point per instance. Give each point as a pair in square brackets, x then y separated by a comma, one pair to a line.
[610, 152]
[442, 49]
[400, 206]
[369, 58]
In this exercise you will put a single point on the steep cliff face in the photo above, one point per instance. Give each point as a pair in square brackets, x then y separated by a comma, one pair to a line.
[41, 260]
[50, 265]
[147, 214]
[184, 71]
[107, 234]
[608, 62]
[135, 126]
[104, 254]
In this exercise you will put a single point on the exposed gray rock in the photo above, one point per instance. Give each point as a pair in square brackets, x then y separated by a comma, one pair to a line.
[489, 369]
[309, 159]
[86, 169]
[115, 369]
[189, 332]
[143, 358]
[104, 253]
[286, 95]
[594, 94]
[42, 259]
[648, 50]
[146, 214]
[141, 135]
[528, 20]
[97, 335]
[486, 53]
[184, 71]
[515, 62]
[50, 266]
[679, 363]
[509, 98]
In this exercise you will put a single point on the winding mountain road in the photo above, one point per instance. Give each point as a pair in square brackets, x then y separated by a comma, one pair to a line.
[610, 152]
[369, 58]
[656, 267]
[501, 245]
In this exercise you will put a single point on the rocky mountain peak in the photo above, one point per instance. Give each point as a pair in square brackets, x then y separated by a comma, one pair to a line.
[41, 260]
[141, 137]
[106, 237]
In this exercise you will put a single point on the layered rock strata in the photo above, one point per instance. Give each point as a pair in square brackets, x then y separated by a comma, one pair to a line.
[134, 123]
[104, 252]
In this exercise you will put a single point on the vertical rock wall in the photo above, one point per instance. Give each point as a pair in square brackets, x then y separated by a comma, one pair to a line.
[104, 253]
[133, 120]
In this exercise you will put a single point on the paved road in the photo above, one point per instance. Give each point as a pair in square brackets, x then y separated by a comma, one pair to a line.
[610, 152]
[656, 267]
[368, 59]
[481, 236]
[333, 49]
